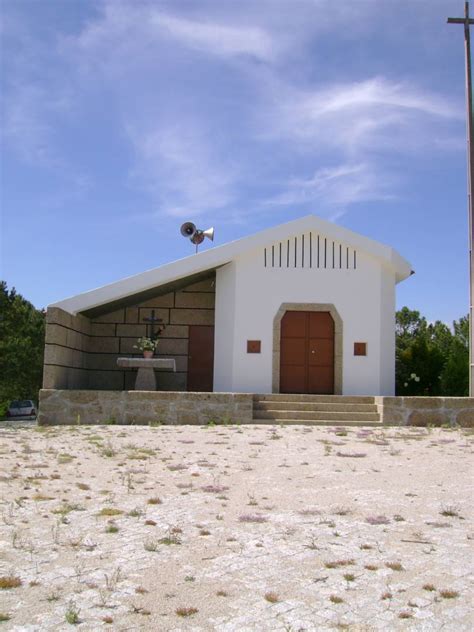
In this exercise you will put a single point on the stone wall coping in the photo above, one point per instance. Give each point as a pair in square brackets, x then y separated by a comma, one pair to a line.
[385, 399]
[148, 363]
[423, 401]
[48, 392]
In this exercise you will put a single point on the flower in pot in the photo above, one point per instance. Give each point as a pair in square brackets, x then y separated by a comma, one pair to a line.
[147, 346]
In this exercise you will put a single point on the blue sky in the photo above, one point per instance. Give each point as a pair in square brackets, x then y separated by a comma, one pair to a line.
[120, 120]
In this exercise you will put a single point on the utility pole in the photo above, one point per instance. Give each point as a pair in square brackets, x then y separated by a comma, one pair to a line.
[467, 21]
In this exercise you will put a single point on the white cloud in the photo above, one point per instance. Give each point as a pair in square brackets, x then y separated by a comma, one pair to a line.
[177, 166]
[367, 115]
[216, 132]
[338, 186]
[25, 127]
[217, 39]
[378, 92]
[360, 127]
[30, 101]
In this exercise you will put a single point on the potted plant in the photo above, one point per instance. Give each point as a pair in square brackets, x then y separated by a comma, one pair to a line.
[147, 346]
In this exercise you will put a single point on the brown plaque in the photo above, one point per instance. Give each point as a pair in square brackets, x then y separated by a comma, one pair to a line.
[360, 348]
[254, 346]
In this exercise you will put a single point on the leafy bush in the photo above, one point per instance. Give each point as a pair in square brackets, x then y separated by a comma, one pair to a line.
[431, 359]
[22, 329]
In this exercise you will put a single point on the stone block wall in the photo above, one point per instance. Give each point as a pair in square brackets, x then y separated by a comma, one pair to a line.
[81, 353]
[113, 335]
[147, 407]
[427, 411]
[65, 355]
[142, 407]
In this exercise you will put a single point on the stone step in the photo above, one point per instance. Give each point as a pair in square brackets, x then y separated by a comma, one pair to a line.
[323, 399]
[315, 406]
[316, 422]
[312, 415]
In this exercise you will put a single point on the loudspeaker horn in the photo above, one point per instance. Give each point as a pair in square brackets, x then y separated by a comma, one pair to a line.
[197, 238]
[209, 233]
[188, 229]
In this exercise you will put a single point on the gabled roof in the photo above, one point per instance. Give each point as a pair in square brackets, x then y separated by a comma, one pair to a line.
[197, 265]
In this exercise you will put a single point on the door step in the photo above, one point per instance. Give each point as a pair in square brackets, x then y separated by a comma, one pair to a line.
[303, 397]
[316, 422]
[315, 406]
[316, 415]
[322, 410]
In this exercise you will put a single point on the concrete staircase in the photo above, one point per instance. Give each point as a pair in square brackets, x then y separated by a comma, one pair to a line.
[318, 410]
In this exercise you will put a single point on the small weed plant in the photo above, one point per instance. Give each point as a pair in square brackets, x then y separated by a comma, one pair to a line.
[272, 597]
[448, 593]
[9, 581]
[186, 611]
[258, 518]
[72, 614]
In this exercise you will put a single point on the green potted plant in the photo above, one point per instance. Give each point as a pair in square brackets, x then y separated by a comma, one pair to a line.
[147, 346]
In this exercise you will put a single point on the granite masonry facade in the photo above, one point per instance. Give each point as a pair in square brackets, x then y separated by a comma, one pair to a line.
[81, 353]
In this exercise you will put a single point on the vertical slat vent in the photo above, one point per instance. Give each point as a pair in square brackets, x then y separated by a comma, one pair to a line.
[310, 250]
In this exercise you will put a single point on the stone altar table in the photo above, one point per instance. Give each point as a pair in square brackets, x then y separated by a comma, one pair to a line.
[146, 380]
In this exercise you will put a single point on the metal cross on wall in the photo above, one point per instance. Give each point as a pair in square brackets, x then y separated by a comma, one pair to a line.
[152, 320]
[467, 21]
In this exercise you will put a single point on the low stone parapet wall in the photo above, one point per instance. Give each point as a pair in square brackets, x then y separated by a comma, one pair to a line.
[175, 407]
[142, 407]
[427, 411]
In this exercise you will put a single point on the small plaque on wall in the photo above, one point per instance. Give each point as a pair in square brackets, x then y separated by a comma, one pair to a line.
[360, 348]
[254, 346]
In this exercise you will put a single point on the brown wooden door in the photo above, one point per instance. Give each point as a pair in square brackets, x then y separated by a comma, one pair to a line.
[307, 353]
[201, 358]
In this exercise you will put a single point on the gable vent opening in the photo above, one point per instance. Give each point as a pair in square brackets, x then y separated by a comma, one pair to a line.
[310, 251]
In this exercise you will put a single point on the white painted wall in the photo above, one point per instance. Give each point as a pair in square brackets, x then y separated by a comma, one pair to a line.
[248, 295]
[387, 333]
[224, 342]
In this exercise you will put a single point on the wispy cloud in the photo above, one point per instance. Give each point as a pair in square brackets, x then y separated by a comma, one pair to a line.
[378, 92]
[360, 115]
[359, 127]
[28, 122]
[217, 39]
[31, 99]
[177, 166]
[221, 111]
[338, 186]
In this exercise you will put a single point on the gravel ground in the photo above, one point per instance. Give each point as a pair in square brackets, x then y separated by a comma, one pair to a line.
[235, 528]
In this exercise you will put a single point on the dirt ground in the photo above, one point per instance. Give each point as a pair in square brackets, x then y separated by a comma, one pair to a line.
[235, 528]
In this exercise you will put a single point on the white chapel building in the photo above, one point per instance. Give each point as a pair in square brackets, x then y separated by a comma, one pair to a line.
[304, 307]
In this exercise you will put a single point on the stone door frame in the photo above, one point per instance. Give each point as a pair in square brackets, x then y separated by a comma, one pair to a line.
[307, 307]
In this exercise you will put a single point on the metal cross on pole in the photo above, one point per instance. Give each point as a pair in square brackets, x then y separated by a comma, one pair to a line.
[152, 320]
[467, 21]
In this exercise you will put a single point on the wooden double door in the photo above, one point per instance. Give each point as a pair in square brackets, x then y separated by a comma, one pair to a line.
[200, 358]
[307, 353]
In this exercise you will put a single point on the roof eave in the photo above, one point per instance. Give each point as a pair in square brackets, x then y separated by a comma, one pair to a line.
[221, 255]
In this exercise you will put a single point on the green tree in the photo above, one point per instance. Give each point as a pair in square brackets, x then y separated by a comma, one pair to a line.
[441, 337]
[430, 358]
[418, 361]
[409, 324]
[21, 347]
[455, 374]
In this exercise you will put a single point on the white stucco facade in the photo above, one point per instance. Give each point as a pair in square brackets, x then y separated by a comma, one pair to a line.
[307, 262]
[248, 296]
